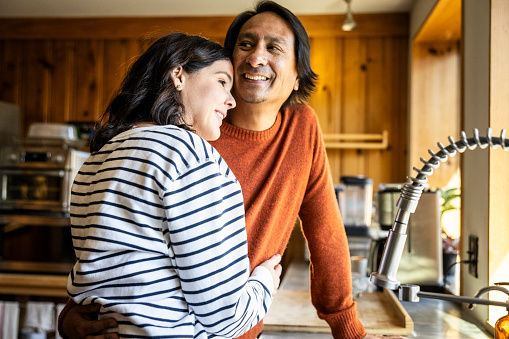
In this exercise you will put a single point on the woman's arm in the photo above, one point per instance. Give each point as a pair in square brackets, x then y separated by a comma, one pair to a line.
[208, 247]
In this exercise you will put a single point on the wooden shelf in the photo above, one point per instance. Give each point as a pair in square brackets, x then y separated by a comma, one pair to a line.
[33, 284]
[357, 141]
[12, 221]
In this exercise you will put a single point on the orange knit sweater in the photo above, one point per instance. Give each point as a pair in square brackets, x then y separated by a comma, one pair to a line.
[284, 173]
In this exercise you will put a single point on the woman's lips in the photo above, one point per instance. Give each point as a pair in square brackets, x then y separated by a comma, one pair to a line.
[221, 114]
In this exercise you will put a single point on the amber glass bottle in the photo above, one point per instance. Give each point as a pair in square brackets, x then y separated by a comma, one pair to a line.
[502, 327]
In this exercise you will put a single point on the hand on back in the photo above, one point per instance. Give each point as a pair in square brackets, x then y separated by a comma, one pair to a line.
[80, 322]
[275, 269]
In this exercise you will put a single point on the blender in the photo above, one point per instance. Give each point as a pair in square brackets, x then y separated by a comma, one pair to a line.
[355, 198]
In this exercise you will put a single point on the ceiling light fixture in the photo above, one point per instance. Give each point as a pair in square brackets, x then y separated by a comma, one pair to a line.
[349, 22]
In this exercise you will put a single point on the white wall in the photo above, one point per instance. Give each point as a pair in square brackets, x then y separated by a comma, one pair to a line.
[476, 114]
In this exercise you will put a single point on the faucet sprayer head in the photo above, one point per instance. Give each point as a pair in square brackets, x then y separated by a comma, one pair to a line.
[410, 195]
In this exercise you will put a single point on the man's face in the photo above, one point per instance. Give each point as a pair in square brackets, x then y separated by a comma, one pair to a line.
[264, 61]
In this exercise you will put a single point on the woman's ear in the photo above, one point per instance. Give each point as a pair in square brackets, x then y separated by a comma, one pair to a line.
[296, 85]
[177, 77]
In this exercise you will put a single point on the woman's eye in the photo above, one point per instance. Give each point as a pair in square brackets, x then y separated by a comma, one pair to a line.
[222, 82]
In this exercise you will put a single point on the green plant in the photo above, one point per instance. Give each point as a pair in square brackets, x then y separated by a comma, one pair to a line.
[449, 244]
[448, 196]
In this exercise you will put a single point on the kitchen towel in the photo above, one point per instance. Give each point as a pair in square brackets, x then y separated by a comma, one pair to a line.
[9, 319]
[40, 316]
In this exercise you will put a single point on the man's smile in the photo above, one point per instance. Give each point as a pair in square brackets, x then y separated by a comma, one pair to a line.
[254, 77]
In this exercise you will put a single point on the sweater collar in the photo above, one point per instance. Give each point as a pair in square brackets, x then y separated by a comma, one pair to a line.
[244, 134]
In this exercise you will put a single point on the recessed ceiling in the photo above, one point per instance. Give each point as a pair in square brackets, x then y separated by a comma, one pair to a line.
[119, 8]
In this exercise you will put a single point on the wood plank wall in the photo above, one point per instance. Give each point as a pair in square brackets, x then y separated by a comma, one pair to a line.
[61, 70]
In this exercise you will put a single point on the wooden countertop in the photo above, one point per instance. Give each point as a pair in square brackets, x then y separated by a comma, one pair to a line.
[380, 312]
[432, 319]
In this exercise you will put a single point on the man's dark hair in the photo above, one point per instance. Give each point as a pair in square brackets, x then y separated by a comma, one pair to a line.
[307, 78]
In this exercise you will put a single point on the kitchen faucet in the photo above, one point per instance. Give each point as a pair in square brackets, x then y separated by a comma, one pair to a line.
[483, 290]
[409, 197]
[409, 292]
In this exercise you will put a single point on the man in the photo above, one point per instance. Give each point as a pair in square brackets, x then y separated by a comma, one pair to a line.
[273, 144]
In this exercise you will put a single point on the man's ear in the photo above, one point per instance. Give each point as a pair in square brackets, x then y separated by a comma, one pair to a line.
[177, 76]
[296, 85]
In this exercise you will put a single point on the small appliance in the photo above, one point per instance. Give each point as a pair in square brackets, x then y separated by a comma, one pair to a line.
[36, 173]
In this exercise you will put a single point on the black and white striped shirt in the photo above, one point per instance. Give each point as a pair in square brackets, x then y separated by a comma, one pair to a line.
[158, 229]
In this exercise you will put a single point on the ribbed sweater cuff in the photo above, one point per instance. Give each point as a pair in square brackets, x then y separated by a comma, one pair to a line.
[345, 324]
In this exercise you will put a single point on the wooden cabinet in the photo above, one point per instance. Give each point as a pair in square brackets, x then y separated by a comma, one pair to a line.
[61, 70]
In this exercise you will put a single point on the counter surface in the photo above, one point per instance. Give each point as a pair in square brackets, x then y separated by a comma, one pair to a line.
[432, 318]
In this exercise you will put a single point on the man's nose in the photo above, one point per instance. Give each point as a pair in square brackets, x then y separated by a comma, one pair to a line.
[258, 57]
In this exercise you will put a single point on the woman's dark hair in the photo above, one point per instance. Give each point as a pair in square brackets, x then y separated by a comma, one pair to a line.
[307, 78]
[147, 93]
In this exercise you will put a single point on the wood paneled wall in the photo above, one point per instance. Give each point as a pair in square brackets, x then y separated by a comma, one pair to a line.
[61, 70]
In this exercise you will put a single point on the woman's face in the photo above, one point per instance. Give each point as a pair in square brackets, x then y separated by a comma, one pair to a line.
[206, 97]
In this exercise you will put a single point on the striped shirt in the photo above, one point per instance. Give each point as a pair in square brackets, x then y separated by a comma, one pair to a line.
[159, 232]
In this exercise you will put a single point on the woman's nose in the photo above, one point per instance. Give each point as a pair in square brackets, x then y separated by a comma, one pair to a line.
[230, 101]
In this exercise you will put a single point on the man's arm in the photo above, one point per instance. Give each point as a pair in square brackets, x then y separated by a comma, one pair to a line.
[80, 321]
[331, 282]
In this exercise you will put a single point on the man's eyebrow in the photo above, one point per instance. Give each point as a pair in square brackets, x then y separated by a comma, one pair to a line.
[269, 38]
[246, 35]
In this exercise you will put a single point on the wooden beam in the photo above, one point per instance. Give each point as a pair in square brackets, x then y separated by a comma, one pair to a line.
[144, 27]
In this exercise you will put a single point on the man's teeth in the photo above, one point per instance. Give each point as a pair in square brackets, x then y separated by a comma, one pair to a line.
[255, 77]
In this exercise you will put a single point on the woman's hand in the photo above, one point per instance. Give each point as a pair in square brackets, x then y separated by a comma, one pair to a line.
[275, 269]
[80, 322]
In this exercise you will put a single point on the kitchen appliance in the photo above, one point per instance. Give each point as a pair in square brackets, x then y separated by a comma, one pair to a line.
[421, 260]
[387, 198]
[36, 173]
[355, 199]
[35, 243]
[359, 269]
[9, 122]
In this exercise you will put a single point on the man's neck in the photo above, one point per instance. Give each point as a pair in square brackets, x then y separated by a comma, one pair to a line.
[252, 117]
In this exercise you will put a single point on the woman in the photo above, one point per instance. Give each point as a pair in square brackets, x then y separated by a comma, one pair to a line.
[157, 216]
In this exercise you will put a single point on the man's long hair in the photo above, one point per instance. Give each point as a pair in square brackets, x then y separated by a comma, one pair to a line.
[307, 78]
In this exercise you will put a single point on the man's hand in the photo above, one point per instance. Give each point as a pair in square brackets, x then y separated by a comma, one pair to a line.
[376, 336]
[80, 322]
